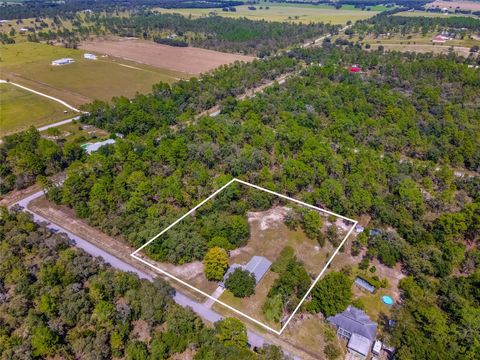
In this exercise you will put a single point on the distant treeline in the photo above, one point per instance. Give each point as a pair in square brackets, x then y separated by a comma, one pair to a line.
[384, 23]
[260, 38]
[170, 42]
[44, 8]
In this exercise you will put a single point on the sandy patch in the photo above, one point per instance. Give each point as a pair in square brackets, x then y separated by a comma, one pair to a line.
[269, 219]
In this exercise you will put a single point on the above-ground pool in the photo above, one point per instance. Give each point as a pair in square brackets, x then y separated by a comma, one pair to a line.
[387, 300]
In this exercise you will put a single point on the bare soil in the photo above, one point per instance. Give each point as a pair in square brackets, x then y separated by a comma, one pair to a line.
[185, 59]
[452, 5]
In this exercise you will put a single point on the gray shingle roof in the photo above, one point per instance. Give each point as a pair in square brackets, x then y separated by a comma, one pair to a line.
[355, 321]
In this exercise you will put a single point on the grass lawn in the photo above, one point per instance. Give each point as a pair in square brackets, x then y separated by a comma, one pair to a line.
[75, 132]
[20, 109]
[287, 12]
[82, 81]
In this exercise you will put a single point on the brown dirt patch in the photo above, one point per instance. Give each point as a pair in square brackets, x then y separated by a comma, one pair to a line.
[452, 5]
[188, 59]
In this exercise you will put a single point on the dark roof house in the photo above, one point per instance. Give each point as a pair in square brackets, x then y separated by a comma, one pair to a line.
[354, 325]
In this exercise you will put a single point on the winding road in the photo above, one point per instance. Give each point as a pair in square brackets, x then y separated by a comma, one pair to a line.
[202, 310]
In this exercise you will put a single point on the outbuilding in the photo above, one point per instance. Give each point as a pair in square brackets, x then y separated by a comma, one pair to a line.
[90, 56]
[62, 61]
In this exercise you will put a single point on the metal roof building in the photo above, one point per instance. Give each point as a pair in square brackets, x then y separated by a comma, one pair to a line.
[258, 266]
[354, 321]
[359, 344]
[364, 284]
[92, 147]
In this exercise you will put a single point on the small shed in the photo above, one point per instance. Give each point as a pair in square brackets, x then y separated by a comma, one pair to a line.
[90, 56]
[364, 284]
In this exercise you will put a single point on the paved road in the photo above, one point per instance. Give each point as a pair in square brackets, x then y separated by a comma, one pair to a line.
[203, 311]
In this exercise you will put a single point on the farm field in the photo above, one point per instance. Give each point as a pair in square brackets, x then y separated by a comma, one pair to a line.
[182, 59]
[20, 109]
[83, 81]
[452, 5]
[287, 12]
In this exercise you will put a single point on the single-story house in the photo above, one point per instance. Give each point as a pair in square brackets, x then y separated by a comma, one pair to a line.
[92, 147]
[90, 56]
[354, 325]
[258, 266]
[62, 61]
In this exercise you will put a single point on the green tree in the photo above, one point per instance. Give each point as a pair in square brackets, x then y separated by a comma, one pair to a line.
[215, 263]
[44, 341]
[241, 283]
[332, 294]
[231, 332]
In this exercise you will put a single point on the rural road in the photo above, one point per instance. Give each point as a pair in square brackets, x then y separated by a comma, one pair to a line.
[203, 311]
[63, 122]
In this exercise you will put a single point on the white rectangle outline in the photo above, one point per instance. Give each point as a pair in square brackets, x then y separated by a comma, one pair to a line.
[278, 332]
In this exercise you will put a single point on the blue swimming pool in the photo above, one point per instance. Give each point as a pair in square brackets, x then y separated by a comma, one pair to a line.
[387, 300]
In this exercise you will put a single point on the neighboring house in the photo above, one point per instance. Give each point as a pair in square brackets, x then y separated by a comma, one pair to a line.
[92, 147]
[355, 326]
[63, 61]
[364, 284]
[90, 56]
[258, 266]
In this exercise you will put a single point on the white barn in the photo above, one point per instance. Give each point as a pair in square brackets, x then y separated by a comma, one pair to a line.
[62, 61]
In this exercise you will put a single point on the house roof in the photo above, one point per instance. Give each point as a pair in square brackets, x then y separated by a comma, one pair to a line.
[359, 344]
[355, 321]
[258, 266]
[92, 147]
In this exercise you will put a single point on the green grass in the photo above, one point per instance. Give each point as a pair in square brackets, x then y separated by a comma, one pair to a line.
[287, 12]
[20, 109]
[82, 81]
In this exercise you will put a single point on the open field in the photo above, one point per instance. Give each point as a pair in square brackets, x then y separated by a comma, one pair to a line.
[83, 81]
[286, 12]
[452, 5]
[183, 59]
[20, 109]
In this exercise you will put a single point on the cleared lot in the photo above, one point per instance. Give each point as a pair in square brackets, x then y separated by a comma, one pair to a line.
[184, 59]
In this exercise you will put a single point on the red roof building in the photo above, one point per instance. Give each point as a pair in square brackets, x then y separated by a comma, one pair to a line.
[355, 69]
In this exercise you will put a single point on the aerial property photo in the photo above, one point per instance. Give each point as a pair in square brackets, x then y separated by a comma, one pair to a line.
[239, 179]
[256, 252]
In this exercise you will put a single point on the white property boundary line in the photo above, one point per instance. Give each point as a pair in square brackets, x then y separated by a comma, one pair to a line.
[278, 332]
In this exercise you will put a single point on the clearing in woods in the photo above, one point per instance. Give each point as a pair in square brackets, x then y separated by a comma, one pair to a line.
[182, 59]
[269, 235]
[21, 109]
[287, 12]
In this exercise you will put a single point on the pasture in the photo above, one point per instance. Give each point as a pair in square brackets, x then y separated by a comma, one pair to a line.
[83, 81]
[20, 109]
[452, 5]
[297, 13]
[418, 13]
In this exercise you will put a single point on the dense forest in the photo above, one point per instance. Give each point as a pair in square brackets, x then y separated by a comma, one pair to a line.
[398, 142]
[57, 301]
[26, 156]
[179, 103]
